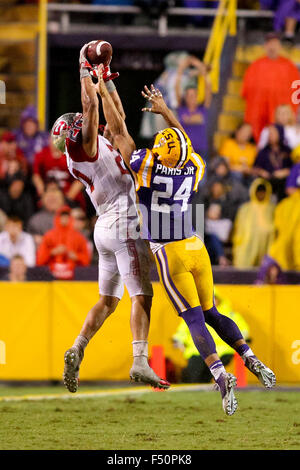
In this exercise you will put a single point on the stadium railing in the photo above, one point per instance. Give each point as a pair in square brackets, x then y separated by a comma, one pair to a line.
[57, 17]
[225, 23]
[64, 11]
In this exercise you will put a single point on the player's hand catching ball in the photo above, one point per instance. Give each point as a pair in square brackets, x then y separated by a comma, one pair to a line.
[156, 99]
[100, 86]
[84, 63]
[108, 75]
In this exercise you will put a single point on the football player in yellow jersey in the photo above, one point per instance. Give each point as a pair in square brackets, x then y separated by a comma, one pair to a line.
[167, 176]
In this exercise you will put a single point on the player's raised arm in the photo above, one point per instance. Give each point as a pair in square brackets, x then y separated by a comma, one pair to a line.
[112, 116]
[90, 104]
[159, 107]
[118, 129]
[117, 100]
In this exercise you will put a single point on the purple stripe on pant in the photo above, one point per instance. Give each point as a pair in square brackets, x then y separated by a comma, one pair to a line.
[166, 287]
[185, 303]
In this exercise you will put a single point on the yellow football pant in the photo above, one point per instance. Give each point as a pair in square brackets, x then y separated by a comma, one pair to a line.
[184, 269]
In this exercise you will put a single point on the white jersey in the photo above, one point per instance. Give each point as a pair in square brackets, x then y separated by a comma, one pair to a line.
[123, 255]
[108, 182]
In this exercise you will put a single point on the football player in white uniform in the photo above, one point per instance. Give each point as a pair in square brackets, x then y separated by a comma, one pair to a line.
[123, 255]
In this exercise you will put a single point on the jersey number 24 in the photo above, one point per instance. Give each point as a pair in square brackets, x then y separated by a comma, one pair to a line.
[182, 194]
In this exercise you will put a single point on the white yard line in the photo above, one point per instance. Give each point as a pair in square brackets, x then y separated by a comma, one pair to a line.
[102, 393]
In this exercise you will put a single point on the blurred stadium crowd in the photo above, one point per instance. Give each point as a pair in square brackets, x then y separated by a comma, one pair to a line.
[251, 190]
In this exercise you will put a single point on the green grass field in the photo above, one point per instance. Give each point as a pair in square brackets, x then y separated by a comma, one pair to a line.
[184, 420]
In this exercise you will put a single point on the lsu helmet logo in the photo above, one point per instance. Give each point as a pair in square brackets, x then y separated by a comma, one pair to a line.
[173, 147]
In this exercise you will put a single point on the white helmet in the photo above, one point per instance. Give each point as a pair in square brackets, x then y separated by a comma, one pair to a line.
[60, 130]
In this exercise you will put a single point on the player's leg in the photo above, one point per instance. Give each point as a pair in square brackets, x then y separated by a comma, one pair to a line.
[181, 290]
[111, 291]
[94, 320]
[133, 263]
[105, 306]
[224, 326]
[140, 322]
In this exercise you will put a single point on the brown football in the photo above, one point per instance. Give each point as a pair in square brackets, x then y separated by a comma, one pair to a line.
[99, 52]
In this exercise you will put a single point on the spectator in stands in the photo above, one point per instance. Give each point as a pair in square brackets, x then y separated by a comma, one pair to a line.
[196, 370]
[274, 162]
[13, 241]
[215, 250]
[218, 195]
[268, 4]
[63, 248]
[286, 19]
[267, 84]
[43, 220]
[235, 193]
[82, 224]
[240, 152]
[196, 20]
[152, 123]
[17, 200]
[192, 115]
[217, 232]
[12, 159]
[17, 269]
[293, 181]
[285, 117]
[29, 137]
[284, 253]
[295, 155]
[51, 164]
[253, 226]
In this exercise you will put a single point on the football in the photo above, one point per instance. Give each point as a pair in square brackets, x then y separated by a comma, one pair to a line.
[99, 52]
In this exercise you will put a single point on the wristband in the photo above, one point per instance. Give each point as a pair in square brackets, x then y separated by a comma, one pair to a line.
[110, 86]
[84, 73]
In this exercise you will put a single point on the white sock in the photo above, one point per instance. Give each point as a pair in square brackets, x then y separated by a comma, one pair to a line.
[248, 353]
[217, 369]
[80, 342]
[140, 352]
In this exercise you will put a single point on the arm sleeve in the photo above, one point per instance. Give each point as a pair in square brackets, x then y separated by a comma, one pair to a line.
[136, 160]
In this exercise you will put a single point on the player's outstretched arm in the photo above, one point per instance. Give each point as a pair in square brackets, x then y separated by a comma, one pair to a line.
[118, 103]
[159, 106]
[118, 129]
[90, 104]
[112, 116]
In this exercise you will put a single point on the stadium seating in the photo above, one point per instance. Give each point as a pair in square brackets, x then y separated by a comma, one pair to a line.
[18, 26]
[233, 104]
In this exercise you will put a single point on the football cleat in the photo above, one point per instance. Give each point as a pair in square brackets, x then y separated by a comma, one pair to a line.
[226, 383]
[73, 360]
[265, 375]
[147, 375]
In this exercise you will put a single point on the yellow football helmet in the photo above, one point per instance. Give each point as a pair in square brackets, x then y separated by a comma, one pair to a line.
[173, 147]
